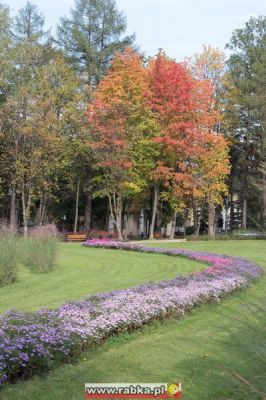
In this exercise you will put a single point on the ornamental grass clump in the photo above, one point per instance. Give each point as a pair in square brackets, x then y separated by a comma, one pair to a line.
[42, 253]
[8, 259]
[40, 249]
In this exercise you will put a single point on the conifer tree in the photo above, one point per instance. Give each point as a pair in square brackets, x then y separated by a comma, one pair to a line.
[92, 35]
[246, 116]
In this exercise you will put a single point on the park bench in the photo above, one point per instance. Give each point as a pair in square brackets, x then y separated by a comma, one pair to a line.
[76, 237]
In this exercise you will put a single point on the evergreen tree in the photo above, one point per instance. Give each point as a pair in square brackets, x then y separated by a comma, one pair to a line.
[5, 48]
[29, 24]
[91, 36]
[246, 115]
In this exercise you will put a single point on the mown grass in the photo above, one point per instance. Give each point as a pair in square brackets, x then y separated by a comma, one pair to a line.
[218, 351]
[82, 271]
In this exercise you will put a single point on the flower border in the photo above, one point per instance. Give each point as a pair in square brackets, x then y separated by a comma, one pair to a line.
[34, 342]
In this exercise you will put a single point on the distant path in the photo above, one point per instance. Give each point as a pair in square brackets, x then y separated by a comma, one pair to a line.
[160, 241]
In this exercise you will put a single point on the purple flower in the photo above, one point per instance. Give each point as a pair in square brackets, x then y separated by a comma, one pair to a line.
[32, 342]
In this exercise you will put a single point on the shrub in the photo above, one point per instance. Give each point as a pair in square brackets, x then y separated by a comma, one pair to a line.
[158, 235]
[190, 230]
[100, 234]
[49, 230]
[8, 259]
[230, 236]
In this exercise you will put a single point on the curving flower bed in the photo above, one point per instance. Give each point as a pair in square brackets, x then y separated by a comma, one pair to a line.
[33, 342]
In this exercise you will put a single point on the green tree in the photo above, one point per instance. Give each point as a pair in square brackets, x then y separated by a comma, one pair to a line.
[246, 116]
[6, 64]
[26, 53]
[210, 65]
[5, 48]
[92, 35]
[42, 133]
[41, 117]
[117, 126]
[89, 38]
[29, 24]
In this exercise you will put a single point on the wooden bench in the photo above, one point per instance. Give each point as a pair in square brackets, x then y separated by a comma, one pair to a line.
[76, 237]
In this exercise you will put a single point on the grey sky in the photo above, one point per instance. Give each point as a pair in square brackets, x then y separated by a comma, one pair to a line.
[180, 27]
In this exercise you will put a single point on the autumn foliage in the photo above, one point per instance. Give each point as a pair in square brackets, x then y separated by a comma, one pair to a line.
[165, 108]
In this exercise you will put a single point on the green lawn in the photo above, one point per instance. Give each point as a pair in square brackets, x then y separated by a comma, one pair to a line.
[218, 351]
[82, 271]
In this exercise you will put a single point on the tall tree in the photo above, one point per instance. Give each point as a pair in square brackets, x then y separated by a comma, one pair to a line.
[92, 35]
[209, 65]
[246, 115]
[6, 65]
[5, 49]
[43, 110]
[210, 171]
[41, 131]
[26, 53]
[29, 24]
[184, 108]
[116, 125]
[170, 100]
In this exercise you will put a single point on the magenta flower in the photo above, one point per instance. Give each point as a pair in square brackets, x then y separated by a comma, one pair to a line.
[32, 342]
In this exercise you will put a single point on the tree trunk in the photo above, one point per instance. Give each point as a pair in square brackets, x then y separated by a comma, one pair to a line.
[244, 199]
[88, 205]
[197, 215]
[159, 217]
[263, 214]
[172, 234]
[226, 217]
[244, 213]
[119, 225]
[231, 221]
[200, 218]
[25, 212]
[77, 207]
[154, 210]
[38, 214]
[13, 214]
[41, 211]
[115, 205]
[141, 223]
[185, 223]
[211, 220]
[232, 212]
[196, 220]
[88, 209]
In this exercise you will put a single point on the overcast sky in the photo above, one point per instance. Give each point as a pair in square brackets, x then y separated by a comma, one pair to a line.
[180, 27]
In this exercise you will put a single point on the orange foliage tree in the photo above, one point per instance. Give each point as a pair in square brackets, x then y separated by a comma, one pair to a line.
[184, 107]
[115, 117]
[153, 126]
